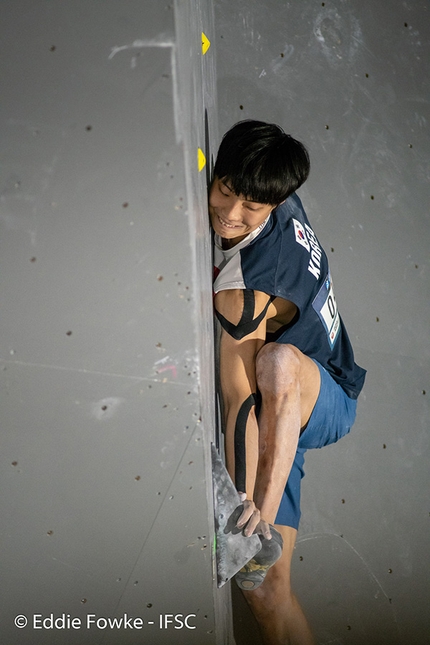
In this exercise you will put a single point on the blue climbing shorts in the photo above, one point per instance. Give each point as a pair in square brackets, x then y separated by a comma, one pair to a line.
[332, 418]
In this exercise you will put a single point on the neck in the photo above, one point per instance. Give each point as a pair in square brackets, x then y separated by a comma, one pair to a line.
[227, 243]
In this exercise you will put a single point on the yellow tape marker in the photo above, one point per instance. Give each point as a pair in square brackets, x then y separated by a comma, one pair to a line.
[205, 43]
[201, 159]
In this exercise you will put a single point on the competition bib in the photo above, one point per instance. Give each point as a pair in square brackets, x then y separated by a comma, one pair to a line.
[326, 308]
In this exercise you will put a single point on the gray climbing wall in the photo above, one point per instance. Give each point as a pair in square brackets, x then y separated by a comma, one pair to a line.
[106, 369]
[351, 80]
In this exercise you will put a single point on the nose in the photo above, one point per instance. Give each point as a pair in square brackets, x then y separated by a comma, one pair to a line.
[232, 212]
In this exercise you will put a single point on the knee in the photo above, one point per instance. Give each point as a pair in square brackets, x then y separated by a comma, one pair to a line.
[274, 590]
[277, 367]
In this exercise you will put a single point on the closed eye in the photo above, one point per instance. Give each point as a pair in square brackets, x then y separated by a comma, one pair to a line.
[222, 186]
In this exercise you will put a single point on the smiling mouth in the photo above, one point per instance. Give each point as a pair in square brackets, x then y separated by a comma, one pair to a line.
[226, 225]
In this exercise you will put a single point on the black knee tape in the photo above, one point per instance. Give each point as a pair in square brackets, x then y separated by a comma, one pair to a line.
[240, 443]
[247, 323]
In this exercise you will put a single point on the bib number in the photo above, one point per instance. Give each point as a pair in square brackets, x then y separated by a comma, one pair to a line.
[326, 308]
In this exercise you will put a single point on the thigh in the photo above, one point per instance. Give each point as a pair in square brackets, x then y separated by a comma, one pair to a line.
[332, 417]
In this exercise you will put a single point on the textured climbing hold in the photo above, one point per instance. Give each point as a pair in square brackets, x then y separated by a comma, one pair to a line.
[201, 159]
[205, 43]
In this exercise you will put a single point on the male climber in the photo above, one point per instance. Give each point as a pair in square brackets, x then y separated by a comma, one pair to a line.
[287, 372]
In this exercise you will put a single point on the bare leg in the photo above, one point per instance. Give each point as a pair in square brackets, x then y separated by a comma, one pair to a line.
[289, 383]
[279, 615]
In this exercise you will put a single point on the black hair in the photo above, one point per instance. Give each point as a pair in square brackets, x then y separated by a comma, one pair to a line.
[261, 162]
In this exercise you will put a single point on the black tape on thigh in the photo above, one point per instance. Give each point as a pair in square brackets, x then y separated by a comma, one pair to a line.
[240, 443]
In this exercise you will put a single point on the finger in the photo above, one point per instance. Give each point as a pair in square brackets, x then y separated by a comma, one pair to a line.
[259, 527]
[248, 509]
[244, 518]
[265, 530]
[252, 525]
